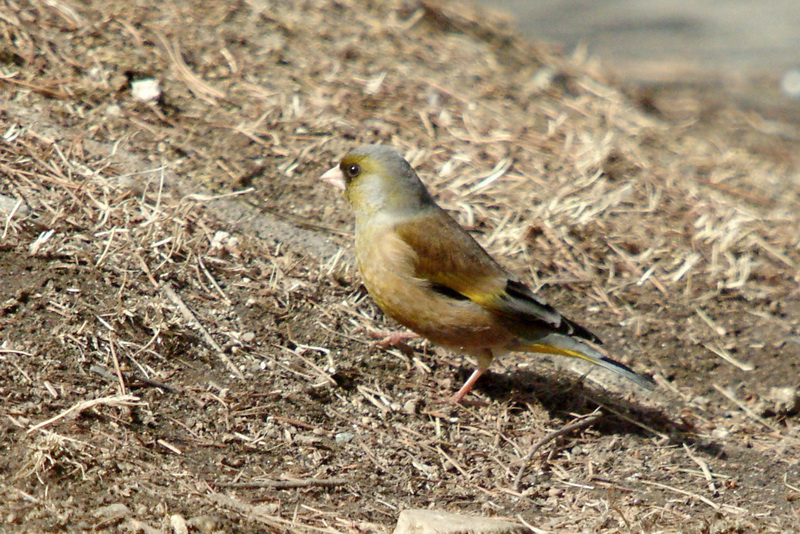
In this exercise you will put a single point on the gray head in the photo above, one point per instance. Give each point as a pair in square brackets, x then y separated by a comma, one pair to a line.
[377, 180]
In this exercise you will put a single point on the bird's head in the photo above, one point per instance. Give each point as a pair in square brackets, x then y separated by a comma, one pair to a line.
[377, 181]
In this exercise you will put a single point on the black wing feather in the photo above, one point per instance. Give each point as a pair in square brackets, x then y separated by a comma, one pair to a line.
[531, 308]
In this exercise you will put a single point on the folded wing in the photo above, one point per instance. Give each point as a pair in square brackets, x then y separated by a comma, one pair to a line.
[456, 266]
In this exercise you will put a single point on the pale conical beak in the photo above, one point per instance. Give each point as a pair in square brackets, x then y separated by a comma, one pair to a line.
[334, 177]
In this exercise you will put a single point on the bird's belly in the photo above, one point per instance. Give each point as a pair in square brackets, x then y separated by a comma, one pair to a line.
[442, 319]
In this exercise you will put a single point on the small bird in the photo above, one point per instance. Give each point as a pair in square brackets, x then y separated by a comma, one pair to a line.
[426, 272]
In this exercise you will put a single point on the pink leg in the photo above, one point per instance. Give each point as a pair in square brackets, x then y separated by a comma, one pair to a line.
[467, 385]
[484, 357]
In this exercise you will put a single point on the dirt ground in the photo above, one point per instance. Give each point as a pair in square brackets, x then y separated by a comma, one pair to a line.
[185, 345]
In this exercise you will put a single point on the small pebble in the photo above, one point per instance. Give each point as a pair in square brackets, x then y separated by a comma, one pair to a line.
[179, 525]
[7, 205]
[786, 399]
[344, 437]
[720, 433]
[113, 511]
[203, 523]
[145, 90]
[790, 83]
[411, 406]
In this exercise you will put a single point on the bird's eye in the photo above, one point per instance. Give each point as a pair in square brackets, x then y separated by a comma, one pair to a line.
[353, 170]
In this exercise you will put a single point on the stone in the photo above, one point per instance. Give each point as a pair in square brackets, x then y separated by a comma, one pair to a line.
[786, 400]
[439, 522]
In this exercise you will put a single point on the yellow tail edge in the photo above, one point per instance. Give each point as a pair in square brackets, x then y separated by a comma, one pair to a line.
[548, 349]
[606, 363]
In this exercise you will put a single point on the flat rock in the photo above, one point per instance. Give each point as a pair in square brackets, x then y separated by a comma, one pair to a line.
[7, 205]
[438, 522]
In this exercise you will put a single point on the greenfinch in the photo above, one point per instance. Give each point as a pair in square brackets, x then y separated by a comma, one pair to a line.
[426, 272]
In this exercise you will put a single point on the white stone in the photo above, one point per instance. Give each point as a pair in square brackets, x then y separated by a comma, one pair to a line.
[790, 83]
[439, 522]
[145, 90]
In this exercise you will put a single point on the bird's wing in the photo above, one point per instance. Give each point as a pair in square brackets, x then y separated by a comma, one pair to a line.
[456, 266]
[525, 303]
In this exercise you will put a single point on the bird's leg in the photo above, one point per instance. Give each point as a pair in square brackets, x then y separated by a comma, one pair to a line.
[484, 357]
[476, 374]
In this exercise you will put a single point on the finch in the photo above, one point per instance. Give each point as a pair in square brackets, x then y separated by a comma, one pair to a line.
[427, 273]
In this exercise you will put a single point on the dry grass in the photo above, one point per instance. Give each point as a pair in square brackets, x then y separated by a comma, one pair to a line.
[183, 346]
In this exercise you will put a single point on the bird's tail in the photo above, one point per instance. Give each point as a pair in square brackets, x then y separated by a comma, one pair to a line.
[566, 346]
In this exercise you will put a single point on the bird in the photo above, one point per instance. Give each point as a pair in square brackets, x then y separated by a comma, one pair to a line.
[430, 275]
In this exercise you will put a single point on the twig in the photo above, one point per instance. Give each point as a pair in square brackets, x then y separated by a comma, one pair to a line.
[197, 85]
[373, 400]
[117, 369]
[257, 513]
[578, 424]
[721, 332]
[786, 483]
[169, 446]
[213, 281]
[9, 217]
[704, 467]
[633, 421]
[728, 357]
[12, 351]
[19, 369]
[747, 411]
[209, 198]
[146, 270]
[706, 500]
[113, 400]
[108, 375]
[192, 320]
[452, 462]
[51, 93]
[287, 484]
[325, 376]
[533, 529]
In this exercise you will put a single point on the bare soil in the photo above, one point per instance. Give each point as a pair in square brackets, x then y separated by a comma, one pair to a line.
[184, 343]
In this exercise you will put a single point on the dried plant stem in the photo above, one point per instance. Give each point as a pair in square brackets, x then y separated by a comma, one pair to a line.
[192, 320]
[580, 423]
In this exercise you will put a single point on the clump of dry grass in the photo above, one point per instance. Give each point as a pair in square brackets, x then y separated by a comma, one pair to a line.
[51, 452]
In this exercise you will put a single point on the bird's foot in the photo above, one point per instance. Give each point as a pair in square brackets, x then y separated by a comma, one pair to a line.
[386, 338]
[390, 339]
